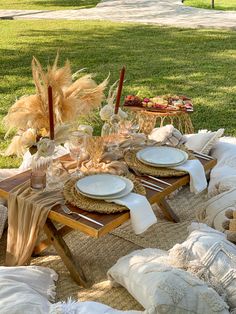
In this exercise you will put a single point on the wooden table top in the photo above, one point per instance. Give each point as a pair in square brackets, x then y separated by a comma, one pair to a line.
[110, 221]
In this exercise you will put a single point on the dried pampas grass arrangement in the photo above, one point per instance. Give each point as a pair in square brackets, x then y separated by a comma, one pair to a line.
[70, 99]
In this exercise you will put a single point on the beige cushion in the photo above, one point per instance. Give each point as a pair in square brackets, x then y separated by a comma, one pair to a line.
[203, 141]
[153, 282]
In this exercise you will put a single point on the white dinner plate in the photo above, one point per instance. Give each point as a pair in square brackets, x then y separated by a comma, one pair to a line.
[162, 156]
[101, 185]
[128, 188]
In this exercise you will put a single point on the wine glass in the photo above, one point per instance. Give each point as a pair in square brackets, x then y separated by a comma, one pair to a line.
[77, 148]
[134, 125]
[128, 128]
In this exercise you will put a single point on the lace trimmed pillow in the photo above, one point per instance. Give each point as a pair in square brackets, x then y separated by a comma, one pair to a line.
[203, 141]
[209, 255]
[161, 288]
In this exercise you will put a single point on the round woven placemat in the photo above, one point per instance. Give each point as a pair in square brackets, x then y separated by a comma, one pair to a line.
[91, 205]
[134, 163]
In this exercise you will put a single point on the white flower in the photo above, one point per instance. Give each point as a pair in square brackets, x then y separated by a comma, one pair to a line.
[108, 111]
[87, 129]
[46, 147]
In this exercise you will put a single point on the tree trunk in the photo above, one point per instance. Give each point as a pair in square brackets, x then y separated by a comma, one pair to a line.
[212, 4]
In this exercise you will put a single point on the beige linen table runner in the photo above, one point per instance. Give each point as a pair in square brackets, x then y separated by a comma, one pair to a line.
[27, 214]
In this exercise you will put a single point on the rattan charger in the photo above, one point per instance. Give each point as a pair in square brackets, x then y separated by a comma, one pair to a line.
[92, 205]
[134, 163]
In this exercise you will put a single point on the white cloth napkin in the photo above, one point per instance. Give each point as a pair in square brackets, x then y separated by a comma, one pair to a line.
[198, 181]
[141, 213]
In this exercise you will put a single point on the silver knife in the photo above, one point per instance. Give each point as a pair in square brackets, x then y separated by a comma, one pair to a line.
[152, 184]
[159, 180]
[151, 187]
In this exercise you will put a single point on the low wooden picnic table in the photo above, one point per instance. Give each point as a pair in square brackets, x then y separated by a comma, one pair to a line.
[110, 221]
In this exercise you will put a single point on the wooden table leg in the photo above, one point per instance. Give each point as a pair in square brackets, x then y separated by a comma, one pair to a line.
[45, 243]
[64, 252]
[168, 211]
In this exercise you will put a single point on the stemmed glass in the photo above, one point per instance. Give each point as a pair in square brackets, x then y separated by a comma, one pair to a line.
[77, 144]
[129, 127]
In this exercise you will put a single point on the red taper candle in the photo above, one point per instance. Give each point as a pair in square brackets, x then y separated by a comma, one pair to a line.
[51, 115]
[122, 75]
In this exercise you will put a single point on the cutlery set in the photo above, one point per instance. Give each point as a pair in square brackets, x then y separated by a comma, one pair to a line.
[203, 156]
[153, 186]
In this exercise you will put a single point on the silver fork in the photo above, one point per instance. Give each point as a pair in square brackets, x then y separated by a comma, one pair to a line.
[67, 211]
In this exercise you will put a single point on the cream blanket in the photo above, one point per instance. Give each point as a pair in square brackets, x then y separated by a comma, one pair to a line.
[27, 214]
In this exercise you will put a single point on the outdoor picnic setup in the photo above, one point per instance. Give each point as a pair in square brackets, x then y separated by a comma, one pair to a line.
[138, 216]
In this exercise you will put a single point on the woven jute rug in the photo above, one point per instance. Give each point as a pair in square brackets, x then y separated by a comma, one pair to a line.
[96, 256]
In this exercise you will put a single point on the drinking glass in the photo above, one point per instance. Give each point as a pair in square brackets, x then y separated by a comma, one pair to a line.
[77, 147]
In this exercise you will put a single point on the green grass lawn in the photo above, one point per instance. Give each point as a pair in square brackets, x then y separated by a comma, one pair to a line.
[197, 63]
[206, 4]
[47, 4]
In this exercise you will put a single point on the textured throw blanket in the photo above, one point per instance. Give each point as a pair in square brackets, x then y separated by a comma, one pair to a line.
[27, 214]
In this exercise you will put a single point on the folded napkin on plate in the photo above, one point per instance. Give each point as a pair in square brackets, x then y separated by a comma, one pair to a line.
[198, 181]
[141, 213]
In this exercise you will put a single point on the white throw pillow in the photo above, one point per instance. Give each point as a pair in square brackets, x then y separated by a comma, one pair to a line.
[26, 289]
[87, 307]
[223, 175]
[214, 212]
[153, 282]
[208, 254]
[203, 141]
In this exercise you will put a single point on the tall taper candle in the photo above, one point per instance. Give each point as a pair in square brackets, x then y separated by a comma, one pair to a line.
[122, 75]
[51, 115]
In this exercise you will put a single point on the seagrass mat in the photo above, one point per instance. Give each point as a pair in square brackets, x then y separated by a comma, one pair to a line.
[96, 256]
[134, 163]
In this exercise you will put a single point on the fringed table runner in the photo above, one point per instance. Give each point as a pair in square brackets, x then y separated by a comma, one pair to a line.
[27, 214]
